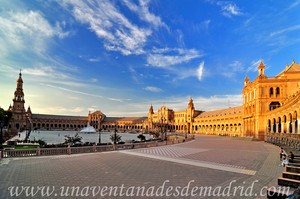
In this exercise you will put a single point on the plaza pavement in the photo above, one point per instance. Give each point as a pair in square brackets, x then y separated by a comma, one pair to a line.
[208, 161]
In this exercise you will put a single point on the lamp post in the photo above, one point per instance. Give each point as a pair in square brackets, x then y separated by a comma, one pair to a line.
[99, 141]
[115, 140]
[1, 136]
[2, 124]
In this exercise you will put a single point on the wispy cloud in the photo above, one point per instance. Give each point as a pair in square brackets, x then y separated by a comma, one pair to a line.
[153, 89]
[167, 57]
[82, 93]
[183, 73]
[285, 30]
[253, 66]
[229, 9]
[59, 110]
[45, 71]
[72, 91]
[143, 12]
[232, 69]
[209, 103]
[109, 24]
[200, 70]
[26, 31]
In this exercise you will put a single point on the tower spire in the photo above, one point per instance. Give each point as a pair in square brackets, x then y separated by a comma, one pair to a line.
[261, 68]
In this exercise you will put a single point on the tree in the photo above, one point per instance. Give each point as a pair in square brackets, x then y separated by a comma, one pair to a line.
[115, 138]
[73, 140]
[155, 134]
[141, 137]
[5, 116]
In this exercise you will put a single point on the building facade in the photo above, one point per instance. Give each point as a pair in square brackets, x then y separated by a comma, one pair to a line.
[269, 111]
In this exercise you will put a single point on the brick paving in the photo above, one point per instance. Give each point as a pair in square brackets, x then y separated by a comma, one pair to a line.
[151, 167]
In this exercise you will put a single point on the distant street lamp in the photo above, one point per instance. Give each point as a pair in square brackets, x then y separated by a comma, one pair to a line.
[115, 140]
[99, 141]
[2, 123]
[1, 136]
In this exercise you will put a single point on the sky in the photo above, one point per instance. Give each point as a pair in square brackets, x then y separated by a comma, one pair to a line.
[121, 56]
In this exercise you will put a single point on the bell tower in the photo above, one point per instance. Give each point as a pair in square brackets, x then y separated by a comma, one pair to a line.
[18, 120]
[190, 114]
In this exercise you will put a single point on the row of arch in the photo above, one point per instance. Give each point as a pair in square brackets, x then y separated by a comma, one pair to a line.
[50, 126]
[232, 128]
[122, 127]
[284, 124]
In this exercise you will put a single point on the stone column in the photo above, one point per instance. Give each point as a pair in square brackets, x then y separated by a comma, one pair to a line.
[298, 121]
[282, 127]
[293, 127]
[277, 127]
[287, 127]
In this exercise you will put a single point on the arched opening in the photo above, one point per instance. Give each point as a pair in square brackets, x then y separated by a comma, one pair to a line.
[277, 91]
[274, 105]
[271, 92]
[290, 123]
[269, 126]
[295, 121]
[279, 125]
[274, 125]
[284, 124]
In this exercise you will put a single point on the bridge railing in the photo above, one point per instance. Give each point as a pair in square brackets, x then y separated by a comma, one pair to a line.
[13, 153]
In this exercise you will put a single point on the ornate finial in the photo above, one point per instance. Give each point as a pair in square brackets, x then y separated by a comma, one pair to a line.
[293, 61]
[20, 74]
[261, 64]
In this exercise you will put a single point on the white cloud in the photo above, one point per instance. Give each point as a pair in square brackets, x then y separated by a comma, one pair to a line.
[183, 73]
[200, 71]
[229, 9]
[26, 31]
[152, 89]
[108, 23]
[143, 12]
[167, 57]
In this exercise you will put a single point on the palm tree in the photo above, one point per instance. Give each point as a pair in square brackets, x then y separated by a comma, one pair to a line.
[115, 138]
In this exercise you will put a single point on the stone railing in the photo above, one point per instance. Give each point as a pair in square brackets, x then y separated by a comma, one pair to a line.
[13, 153]
[284, 139]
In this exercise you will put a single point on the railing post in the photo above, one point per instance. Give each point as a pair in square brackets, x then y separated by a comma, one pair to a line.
[94, 148]
[69, 150]
[1, 154]
[38, 151]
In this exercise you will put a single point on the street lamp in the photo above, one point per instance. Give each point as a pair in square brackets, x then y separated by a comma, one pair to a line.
[115, 140]
[2, 123]
[99, 141]
[1, 136]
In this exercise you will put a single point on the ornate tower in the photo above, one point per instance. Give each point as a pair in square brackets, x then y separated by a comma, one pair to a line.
[261, 69]
[18, 120]
[190, 114]
[150, 113]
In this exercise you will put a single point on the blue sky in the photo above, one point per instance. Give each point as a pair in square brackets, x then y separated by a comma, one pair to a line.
[121, 56]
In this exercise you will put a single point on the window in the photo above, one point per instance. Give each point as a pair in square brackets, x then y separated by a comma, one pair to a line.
[277, 91]
[271, 92]
[274, 105]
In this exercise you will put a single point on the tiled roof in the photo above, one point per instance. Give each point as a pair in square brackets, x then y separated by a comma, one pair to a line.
[222, 112]
[135, 119]
[58, 117]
